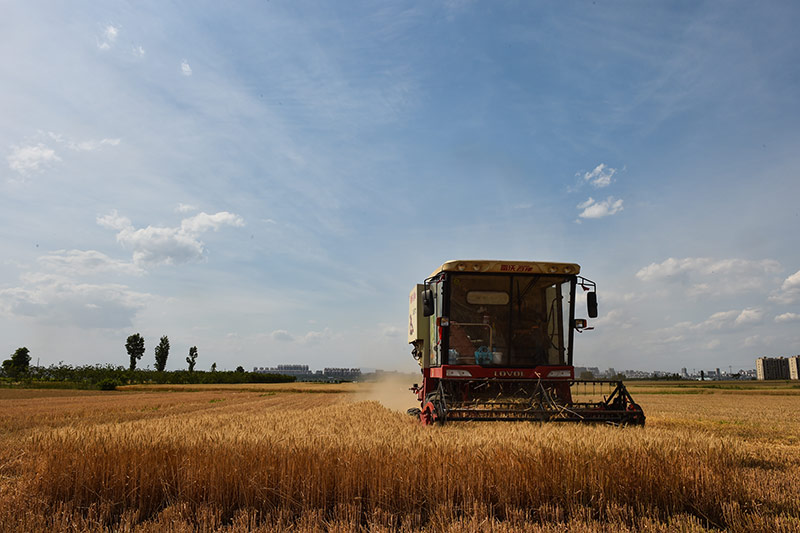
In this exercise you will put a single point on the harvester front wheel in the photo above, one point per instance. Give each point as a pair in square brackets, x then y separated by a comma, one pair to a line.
[636, 415]
[432, 413]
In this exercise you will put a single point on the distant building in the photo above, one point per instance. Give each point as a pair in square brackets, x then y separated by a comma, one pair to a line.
[794, 367]
[343, 373]
[287, 370]
[304, 373]
[772, 368]
[750, 373]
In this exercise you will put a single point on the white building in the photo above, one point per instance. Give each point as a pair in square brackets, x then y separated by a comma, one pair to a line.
[794, 367]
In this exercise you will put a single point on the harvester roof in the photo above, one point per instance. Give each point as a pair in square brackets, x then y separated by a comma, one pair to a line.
[507, 267]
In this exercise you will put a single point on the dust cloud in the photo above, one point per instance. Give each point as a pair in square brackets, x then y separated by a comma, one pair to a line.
[391, 391]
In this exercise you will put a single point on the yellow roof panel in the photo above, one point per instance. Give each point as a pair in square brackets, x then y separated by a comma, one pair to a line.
[508, 267]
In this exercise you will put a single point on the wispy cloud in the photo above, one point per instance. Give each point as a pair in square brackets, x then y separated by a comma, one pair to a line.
[108, 37]
[311, 337]
[186, 70]
[594, 209]
[82, 146]
[706, 276]
[38, 153]
[185, 208]
[389, 330]
[281, 335]
[314, 337]
[600, 177]
[85, 263]
[31, 158]
[57, 299]
[719, 320]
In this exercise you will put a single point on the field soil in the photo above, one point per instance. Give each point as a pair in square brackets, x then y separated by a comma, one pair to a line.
[326, 457]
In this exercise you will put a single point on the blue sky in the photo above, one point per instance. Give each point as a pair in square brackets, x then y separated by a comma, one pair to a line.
[267, 181]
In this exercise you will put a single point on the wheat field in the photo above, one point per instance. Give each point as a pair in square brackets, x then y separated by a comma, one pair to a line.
[346, 458]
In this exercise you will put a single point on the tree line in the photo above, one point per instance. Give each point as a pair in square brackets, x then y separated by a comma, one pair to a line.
[134, 345]
[17, 369]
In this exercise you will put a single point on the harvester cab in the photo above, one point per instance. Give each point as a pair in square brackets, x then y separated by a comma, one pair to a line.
[494, 340]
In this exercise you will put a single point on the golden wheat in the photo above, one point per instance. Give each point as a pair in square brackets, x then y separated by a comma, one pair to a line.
[231, 460]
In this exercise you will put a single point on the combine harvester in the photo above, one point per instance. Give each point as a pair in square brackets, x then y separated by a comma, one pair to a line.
[494, 340]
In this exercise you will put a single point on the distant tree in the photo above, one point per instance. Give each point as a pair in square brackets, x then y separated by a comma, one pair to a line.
[240, 368]
[586, 375]
[18, 363]
[214, 366]
[162, 352]
[135, 348]
[192, 358]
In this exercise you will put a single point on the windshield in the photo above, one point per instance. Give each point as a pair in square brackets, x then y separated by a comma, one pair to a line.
[509, 320]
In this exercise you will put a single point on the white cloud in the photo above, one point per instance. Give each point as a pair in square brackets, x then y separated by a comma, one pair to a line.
[202, 222]
[672, 268]
[749, 316]
[391, 331]
[594, 209]
[31, 158]
[111, 32]
[615, 318]
[706, 276]
[108, 37]
[185, 208]
[37, 155]
[753, 340]
[712, 344]
[310, 338]
[719, 320]
[722, 320]
[56, 299]
[787, 317]
[186, 70]
[90, 146]
[85, 262]
[138, 51]
[281, 335]
[170, 246]
[789, 291]
[82, 146]
[601, 176]
[313, 337]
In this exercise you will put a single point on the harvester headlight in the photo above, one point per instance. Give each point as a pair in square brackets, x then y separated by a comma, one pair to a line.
[558, 374]
[457, 373]
[461, 266]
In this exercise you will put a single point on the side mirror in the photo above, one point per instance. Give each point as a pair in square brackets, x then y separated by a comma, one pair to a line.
[427, 302]
[591, 304]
